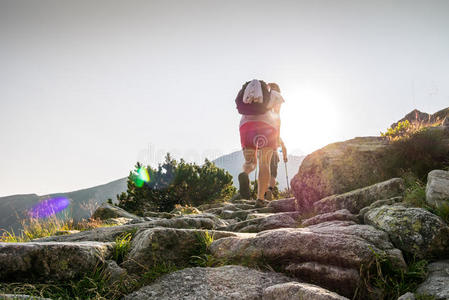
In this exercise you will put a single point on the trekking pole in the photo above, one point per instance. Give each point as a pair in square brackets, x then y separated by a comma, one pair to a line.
[286, 175]
[257, 163]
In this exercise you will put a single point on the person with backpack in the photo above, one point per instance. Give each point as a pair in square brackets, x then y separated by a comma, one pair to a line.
[275, 158]
[259, 133]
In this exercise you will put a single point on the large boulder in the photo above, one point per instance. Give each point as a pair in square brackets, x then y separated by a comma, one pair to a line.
[108, 211]
[167, 245]
[43, 262]
[328, 254]
[437, 283]
[296, 290]
[414, 230]
[339, 168]
[377, 203]
[271, 221]
[223, 283]
[355, 200]
[437, 189]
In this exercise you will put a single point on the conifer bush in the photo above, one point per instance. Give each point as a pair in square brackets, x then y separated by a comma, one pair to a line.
[175, 183]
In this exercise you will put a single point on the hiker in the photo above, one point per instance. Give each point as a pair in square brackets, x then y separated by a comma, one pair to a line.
[274, 169]
[259, 103]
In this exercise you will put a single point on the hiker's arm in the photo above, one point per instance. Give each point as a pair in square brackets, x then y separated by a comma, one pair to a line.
[284, 150]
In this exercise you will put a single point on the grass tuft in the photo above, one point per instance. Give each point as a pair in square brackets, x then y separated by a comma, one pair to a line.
[394, 282]
[122, 244]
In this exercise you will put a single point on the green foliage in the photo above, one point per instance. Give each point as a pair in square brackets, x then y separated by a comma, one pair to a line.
[424, 297]
[122, 244]
[400, 130]
[157, 271]
[415, 191]
[92, 286]
[174, 182]
[203, 257]
[415, 195]
[419, 153]
[442, 211]
[34, 228]
[394, 282]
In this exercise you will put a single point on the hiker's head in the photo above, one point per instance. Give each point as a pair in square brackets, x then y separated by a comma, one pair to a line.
[274, 86]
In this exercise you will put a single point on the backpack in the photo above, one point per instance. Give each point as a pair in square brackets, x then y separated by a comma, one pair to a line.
[253, 108]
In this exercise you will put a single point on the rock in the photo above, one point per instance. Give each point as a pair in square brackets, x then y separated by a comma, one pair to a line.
[272, 221]
[109, 234]
[258, 215]
[437, 283]
[437, 189]
[108, 211]
[120, 221]
[162, 215]
[339, 168]
[230, 214]
[101, 234]
[407, 296]
[243, 214]
[328, 254]
[243, 201]
[296, 290]
[414, 116]
[64, 232]
[206, 206]
[113, 272]
[50, 261]
[163, 245]
[375, 204]
[339, 215]
[283, 205]
[223, 283]
[185, 210]
[415, 231]
[20, 297]
[217, 221]
[354, 201]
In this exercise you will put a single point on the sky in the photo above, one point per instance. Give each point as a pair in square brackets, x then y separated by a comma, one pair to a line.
[88, 88]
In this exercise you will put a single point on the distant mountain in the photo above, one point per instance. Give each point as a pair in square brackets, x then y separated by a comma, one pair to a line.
[233, 164]
[14, 209]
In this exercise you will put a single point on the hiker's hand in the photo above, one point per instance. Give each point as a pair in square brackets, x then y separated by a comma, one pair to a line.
[285, 158]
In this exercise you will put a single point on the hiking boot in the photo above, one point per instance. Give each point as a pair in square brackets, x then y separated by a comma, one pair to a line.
[245, 192]
[269, 194]
[260, 203]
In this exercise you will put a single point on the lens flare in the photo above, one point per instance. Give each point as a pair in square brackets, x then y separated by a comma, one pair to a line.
[141, 177]
[48, 207]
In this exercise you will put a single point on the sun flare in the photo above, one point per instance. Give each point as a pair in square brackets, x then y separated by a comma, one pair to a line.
[309, 119]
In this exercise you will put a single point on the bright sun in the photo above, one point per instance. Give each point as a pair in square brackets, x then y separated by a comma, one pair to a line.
[309, 120]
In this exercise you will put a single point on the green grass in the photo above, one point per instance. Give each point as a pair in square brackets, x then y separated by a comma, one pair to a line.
[93, 286]
[122, 244]
[157, 271]
[424, 297]
[382, 274]
[34, 228]
[415, 195]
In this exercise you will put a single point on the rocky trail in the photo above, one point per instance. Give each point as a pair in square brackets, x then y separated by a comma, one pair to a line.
[272, 252]
[347, 227]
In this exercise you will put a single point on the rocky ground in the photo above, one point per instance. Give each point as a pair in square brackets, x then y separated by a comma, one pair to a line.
[242, 252]
[348, 234]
